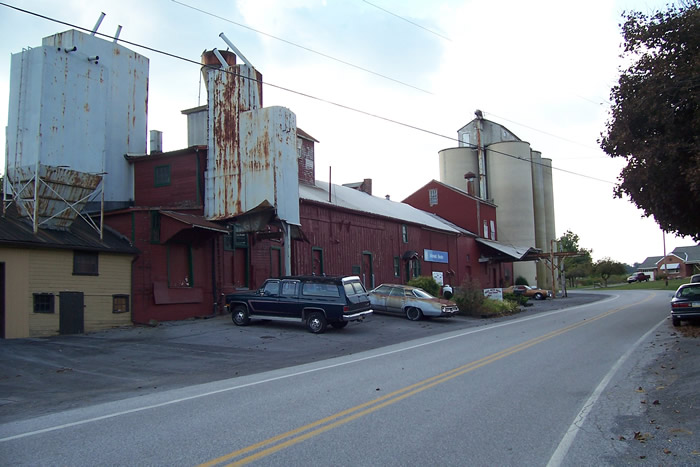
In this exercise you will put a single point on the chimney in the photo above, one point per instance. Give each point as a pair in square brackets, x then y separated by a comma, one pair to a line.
[366, 186]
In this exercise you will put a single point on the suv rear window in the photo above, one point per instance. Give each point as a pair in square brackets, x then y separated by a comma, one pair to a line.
[353, 288]
[320, 290]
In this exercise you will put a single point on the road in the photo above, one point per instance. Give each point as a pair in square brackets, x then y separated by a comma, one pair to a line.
[545, 389]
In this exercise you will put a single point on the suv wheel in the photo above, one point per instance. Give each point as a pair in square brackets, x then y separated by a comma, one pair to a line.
[240, 316]
[316, 322]
[413, 313]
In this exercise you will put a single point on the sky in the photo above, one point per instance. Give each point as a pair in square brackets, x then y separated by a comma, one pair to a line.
[384, 85]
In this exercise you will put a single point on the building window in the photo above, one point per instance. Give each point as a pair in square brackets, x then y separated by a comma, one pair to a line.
[433, 196]
[486, 229]
[120, 303]
[397, 266]
[404, 233]
[235, 239]
[85, 263]
[44, 303]
[161, 175]
[412, 268]
[155, 227]
[493, 230]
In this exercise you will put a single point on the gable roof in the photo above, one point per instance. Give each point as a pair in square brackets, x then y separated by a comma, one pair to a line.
[689, 254]
[17, 232]
[650, 262]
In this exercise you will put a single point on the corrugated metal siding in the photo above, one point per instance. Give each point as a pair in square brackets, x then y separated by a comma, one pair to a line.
[66, 110]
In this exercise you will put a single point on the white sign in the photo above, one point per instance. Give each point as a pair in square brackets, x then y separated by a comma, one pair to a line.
[438, 277]
[494, 294]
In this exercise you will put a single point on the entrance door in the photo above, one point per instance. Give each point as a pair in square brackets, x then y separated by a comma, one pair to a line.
[367, 270]
[71, 317]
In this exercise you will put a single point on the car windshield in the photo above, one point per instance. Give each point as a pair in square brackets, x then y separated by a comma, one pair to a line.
[420, 293]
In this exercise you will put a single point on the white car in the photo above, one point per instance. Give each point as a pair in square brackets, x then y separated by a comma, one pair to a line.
[412, 302]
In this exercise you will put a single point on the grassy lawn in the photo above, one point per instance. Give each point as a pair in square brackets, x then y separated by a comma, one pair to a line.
[649, 285]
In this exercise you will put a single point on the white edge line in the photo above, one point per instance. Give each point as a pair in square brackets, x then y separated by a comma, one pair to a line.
[568, 439]
[291, 375]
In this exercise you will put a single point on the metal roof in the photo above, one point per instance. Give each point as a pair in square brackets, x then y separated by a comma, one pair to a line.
[16, 232]
[517, 252]
[650, 262]
[349, 198]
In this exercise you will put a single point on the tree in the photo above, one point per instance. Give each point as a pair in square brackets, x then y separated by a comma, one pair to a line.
[654, 120]
[575, 266]
[606, 268]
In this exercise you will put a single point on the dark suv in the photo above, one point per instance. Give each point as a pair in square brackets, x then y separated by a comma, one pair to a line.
[314, 300]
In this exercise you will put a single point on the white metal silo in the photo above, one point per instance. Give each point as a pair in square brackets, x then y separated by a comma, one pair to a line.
[544, 276]
[78, 103]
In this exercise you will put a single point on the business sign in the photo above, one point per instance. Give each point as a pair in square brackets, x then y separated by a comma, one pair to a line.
[494, 294]
[438, 278]
[435, 256]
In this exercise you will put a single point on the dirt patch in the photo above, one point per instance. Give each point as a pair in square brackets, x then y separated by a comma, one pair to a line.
[689, 329]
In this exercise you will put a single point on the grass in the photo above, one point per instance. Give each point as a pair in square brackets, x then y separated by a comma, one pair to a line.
[673, 284]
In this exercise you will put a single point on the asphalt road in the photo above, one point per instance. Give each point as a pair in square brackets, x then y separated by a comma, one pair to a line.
[512, 413]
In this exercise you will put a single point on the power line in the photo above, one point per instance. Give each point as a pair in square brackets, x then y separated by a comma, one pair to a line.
[308, 96]
[407, 20]
[366, 70]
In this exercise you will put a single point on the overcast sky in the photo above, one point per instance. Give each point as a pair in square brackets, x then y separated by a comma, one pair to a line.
[543, 69]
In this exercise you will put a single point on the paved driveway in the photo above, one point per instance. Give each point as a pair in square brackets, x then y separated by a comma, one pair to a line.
[43, 375]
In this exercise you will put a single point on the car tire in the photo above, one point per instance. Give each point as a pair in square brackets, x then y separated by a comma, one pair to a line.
[339, 324]
[676, 320]
[240, 316]
[539, 296]
[413, 313]
[316, 322]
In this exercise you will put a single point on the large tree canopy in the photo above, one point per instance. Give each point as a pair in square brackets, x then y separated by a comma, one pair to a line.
[655, 117]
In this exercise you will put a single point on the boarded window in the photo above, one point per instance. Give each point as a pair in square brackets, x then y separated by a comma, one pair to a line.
[397, 266]
[44, 303]
[85, 263]
[120, 303]
[404, 233]
[161, 175]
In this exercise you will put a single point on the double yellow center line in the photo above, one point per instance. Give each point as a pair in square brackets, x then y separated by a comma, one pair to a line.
[276, 443]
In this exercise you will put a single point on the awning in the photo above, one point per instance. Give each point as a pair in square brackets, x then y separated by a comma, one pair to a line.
[410, 254]
[670, 266]
[502, 252]
[181, 227]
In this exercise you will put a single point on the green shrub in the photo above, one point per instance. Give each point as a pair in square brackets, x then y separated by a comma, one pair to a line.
[519, 299]
[492, 308]
[520, 280]
[469, 297]
[426, 283]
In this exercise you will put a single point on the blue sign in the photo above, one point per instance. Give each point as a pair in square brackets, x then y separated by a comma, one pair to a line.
[435, 256]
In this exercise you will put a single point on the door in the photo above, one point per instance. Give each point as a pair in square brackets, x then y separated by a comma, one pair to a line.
[367, 270]
[71, 316]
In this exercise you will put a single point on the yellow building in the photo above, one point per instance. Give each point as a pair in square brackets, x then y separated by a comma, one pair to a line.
[62, 282]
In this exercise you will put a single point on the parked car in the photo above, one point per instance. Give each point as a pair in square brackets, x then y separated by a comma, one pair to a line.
[313, 300]
[685, 303]
[638, 277]
[413, 302]
[528, 291]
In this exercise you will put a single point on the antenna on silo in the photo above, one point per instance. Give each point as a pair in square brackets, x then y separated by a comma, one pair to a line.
[235, 50]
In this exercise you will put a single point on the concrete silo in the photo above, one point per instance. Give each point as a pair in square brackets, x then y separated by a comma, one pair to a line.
[515, 178]
[509, 180]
